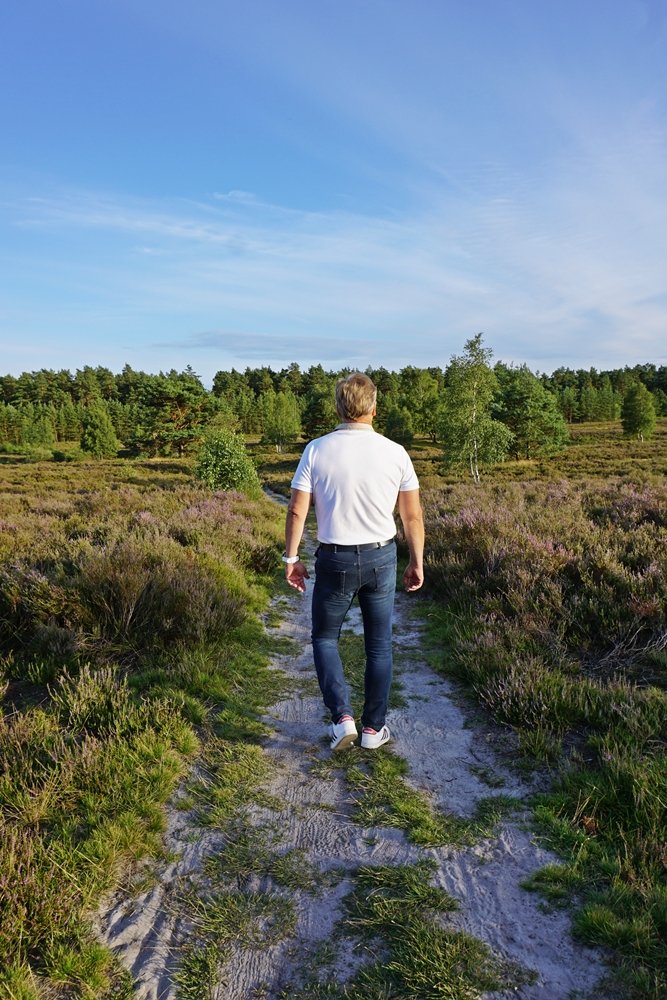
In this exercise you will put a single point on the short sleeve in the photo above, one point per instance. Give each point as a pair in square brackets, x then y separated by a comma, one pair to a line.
[409, 479]
[303, 479]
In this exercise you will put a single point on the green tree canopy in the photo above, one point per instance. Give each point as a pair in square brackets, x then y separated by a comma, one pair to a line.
[281, 419]
[98, 436]
[469, 434]
[172, 413]
[224, 464]
[422, 395]
[30, 424]
[638, 412]
[531, 412]
[320, 413]
[660, 402]
[398, 425]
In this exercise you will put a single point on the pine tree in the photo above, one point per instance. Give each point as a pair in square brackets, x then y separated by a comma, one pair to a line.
[86, 386]
[660, 402]
[569, 403]
[172, 413]
[607, 402]
[420, 395]
[8, 424]
[69, 421]
[531, 412]
[588, 401]
[98, 437]
[320, 413]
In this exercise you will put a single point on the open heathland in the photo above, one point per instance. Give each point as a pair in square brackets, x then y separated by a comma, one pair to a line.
[128, 630]
[549, 601]
[598, 451]
[132, 657]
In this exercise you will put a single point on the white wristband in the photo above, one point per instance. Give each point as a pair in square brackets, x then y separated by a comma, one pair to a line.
[289, 559]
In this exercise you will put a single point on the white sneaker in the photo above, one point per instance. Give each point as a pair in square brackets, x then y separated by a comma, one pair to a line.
[343, 734]
[371, 741]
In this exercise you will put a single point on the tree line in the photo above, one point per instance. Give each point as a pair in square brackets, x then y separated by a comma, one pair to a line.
[472, 407]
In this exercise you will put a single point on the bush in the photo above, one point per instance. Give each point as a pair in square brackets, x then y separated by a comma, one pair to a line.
[224, 464]
[73, 455]
[147, 596]
[98, 436]
[30, 452]
[97, 702]
[33, 895]
[126, 568]
[579, 571]
[31, 601]
[398, 426]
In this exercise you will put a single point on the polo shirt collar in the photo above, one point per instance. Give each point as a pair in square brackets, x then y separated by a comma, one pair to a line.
[354, 427]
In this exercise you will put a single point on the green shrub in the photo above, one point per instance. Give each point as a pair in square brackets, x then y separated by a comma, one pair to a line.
[224, 464]
[144, 596]
[35, 607]
[98, 436]
[96, 701]
[126, 570]
[33, 895]
[71, 455]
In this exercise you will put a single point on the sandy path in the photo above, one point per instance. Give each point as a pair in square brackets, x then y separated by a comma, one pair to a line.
[432, 735]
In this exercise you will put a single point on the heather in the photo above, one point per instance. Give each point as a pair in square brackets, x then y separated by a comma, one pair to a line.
[128, 631]
[551, 604]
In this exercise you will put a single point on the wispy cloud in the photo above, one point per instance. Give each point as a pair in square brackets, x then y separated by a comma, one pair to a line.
[244, 346]
[565, 269]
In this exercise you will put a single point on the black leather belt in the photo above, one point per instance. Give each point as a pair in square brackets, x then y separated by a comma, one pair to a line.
[330, 547]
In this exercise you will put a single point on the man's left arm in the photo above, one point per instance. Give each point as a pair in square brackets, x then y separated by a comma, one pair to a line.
[296, 573]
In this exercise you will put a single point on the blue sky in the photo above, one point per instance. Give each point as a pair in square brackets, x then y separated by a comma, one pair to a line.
[354, 182]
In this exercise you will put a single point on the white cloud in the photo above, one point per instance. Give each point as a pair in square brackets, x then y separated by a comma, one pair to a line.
[568, 270]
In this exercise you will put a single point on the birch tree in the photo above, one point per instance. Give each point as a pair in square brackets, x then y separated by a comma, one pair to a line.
[638, 412]
[471, 437]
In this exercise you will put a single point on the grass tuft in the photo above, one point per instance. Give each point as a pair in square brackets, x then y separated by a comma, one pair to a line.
[383, 797]
[397, 907]
[394, 916]
[254, 851]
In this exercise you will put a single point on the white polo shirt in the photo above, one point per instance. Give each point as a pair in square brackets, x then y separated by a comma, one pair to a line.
[355, 476]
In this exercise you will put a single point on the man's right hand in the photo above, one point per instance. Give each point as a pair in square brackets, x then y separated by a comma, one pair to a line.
[296, 575]
[413, 577]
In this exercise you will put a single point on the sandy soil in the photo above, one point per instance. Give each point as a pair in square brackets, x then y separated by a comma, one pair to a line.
[441, 746]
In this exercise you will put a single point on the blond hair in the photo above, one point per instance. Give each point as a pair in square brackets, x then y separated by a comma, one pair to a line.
[355, 396]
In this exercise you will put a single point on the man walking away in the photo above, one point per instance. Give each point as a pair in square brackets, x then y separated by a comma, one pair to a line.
[354, 477]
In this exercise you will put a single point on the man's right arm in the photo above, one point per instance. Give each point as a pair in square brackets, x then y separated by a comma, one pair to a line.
[412, 519]
[296, 573]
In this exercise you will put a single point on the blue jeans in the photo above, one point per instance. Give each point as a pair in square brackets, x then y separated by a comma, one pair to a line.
[339, 578]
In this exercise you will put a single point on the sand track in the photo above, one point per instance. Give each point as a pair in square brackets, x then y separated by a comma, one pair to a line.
[432, 734]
